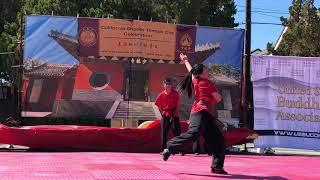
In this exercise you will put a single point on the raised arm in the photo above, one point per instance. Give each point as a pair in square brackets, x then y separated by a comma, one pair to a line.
[184, 59]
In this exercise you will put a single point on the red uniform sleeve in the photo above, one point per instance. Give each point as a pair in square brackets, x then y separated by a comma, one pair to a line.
[159, 101]
[212, 87]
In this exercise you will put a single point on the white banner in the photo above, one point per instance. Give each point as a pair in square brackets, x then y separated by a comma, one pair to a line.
[286, 94]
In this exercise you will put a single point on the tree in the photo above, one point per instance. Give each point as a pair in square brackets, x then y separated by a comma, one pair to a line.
[8, 34]
[218, 13]
[303, 35]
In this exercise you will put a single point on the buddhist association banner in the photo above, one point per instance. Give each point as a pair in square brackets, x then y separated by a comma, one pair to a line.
[287, 101]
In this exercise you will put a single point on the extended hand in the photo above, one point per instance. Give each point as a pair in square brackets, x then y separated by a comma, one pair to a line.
[183, 57]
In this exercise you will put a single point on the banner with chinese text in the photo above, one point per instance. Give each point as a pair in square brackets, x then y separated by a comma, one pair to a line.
[133, 38]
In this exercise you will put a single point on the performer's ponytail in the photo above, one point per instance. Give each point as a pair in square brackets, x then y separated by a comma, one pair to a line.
[186, 84]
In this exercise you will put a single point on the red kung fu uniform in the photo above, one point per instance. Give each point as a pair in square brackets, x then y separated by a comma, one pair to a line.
[203, 89]
[168, 105]
[202, 123]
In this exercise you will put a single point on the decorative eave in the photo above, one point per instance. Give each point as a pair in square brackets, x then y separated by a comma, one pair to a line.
[49, 71]
[202, 52]
[223, 80]
[70, 44]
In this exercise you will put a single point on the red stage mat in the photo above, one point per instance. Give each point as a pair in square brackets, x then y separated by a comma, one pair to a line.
[87, 138]
[139, 166]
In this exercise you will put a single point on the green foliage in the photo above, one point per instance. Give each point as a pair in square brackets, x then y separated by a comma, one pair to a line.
[303, 35]
[8, 34]
[219, 13]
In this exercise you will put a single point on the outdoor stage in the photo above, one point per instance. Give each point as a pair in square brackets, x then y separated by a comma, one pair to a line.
[106, 165]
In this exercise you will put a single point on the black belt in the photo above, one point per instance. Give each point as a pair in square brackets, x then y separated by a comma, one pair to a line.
[172, 111]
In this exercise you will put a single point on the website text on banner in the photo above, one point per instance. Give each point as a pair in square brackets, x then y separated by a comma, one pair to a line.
[287, 101]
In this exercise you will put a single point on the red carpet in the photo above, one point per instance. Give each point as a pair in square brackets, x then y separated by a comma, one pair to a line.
[106, 165]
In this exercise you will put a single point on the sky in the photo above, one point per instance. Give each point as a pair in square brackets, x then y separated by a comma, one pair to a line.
[266, 11]
[38, 45]
[230, 43]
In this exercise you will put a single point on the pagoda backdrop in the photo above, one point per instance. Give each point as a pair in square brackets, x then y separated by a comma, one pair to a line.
[113, 68]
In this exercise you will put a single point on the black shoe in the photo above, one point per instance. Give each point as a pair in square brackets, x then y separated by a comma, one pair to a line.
[196, 153]
[165, 154]
[10, 122]
[218, 171]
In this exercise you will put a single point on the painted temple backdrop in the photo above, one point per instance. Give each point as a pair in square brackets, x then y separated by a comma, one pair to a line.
[113, 69]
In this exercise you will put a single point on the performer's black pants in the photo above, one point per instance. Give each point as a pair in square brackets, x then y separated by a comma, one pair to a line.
[196, 147]
[166, 125]
[202, 123]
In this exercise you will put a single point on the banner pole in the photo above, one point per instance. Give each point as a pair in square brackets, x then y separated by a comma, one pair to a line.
[246, 89]
[20, 74]
[248, 83]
